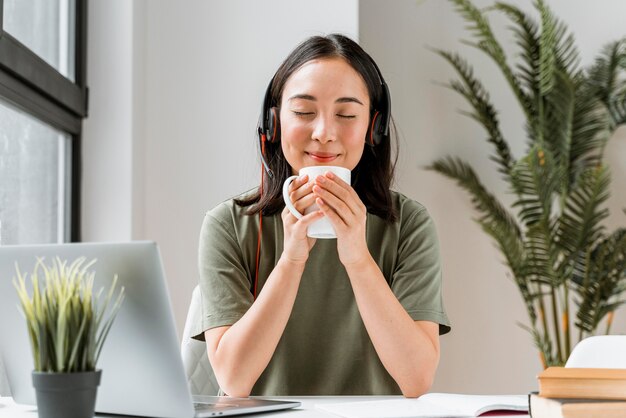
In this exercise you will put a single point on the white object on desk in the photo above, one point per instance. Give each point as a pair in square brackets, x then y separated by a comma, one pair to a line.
[602, 352]
[430, 405]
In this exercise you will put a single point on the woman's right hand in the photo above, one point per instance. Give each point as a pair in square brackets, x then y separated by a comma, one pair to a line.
[296, 244]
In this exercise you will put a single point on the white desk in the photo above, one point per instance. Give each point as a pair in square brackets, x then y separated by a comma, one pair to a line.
[9, 409]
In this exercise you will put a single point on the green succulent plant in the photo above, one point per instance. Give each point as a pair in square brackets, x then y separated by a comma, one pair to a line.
[67, 325]
[568, 268]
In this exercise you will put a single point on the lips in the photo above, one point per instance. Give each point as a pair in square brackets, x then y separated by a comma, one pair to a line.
[322, 157]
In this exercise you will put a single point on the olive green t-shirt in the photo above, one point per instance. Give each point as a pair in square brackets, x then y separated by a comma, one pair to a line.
[325, 348]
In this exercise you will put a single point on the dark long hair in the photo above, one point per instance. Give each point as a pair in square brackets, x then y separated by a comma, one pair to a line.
[373, 175]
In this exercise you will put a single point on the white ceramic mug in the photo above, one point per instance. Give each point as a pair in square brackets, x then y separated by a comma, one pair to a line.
[322, 228]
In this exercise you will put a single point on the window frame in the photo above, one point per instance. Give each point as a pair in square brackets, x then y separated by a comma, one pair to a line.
[35, 87]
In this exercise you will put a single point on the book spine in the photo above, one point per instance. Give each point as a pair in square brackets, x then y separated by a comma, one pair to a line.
[530, 405]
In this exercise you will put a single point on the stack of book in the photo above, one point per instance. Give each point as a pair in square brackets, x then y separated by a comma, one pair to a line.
[568, 392]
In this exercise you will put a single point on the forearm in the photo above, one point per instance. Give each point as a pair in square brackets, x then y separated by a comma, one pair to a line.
[406, 351]
[245, 349]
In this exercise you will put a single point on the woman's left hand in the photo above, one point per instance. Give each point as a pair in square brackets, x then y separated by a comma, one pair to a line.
[347, 213]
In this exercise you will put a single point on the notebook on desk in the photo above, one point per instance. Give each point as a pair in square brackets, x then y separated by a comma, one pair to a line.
[142, 369]
[431, 405]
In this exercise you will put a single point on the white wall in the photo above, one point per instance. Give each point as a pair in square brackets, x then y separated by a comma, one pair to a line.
[108, 130]
[176, 90]
[486, 351]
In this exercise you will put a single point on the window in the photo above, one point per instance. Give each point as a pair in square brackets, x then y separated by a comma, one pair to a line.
[43, 99]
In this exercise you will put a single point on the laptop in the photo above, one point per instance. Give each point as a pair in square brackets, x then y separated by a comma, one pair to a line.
[142, 369]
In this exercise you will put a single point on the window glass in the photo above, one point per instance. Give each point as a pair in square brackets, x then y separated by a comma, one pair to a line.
[34, 172]
[46, 27]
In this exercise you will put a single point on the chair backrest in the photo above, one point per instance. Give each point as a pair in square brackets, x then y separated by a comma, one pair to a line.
[200, 375]
[603, 351]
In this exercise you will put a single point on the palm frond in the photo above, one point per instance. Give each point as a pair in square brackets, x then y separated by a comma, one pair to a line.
[547, 46]
[490, 208]
[580, 225]
[535, 179]
[526, 33]
[558, 78]
[559, 110]
[539, 261]
[590, 132]
[494, 219]
[566, 54]
[606, 80]
[484, 112]
[604, 281]
[487, 42]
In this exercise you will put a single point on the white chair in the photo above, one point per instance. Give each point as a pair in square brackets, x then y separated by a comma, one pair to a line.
[200, 375]
[603, 351]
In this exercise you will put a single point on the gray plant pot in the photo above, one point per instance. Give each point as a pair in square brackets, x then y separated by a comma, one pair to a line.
[66, 395]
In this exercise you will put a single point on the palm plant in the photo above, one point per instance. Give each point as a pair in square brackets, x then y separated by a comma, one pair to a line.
[553, 240]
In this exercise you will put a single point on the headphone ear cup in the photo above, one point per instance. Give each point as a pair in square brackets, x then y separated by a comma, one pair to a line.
[273, 125]
[373, 133]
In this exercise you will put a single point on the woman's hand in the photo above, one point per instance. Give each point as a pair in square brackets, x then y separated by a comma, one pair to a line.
[348, 215]
[296, 244]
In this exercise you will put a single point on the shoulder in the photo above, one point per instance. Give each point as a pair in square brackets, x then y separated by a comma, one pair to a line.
[228, 214]
[408, 209]
[414, 220]
[229, 209]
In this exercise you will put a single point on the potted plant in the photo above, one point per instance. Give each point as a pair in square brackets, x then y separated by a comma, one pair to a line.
[569, 269]
[67, 326]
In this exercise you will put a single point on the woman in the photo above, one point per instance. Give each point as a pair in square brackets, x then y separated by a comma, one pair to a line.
[284, 314]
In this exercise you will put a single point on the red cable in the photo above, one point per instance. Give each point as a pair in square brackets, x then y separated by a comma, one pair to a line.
[258, 245]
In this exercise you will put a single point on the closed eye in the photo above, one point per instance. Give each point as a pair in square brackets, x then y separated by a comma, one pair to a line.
[302, 113]
[347, 116]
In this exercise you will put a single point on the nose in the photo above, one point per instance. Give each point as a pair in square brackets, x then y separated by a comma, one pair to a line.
[324, 130]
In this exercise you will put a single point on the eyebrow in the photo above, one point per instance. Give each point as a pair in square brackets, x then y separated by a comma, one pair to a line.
[339, 100]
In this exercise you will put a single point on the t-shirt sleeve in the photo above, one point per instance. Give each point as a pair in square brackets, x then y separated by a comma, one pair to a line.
[417, 281]
[224, 278]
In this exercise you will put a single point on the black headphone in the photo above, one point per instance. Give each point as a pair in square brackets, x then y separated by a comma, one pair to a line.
[269, 122]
